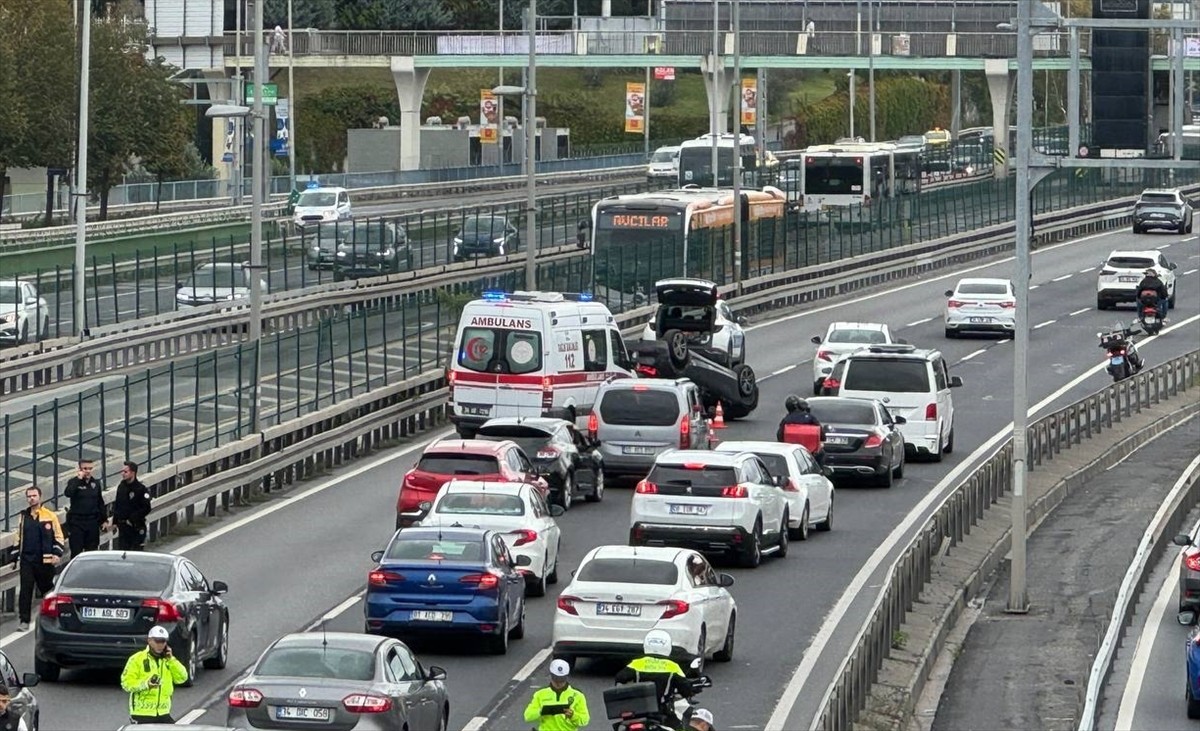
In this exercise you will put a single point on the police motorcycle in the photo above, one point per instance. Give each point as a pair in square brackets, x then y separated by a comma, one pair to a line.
[1123, 358]
[1148, 312]
[636, 706]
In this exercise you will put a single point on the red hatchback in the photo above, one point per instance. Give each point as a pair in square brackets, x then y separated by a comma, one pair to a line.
[463, 459]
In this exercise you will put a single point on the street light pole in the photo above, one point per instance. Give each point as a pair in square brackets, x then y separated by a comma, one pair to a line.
[531, 238]
[81, 171]
[256, 232]
[736, 128]
[873, 27]
[714, 100]
[291, 122]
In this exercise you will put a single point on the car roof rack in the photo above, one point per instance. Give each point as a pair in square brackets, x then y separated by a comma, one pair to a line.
[892, 348]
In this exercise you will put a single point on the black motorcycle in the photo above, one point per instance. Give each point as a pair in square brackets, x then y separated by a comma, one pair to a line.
[1148, 316]
[637, 707]
[1123, 358]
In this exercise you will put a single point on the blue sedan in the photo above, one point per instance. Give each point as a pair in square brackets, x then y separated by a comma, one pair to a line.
[448, 581]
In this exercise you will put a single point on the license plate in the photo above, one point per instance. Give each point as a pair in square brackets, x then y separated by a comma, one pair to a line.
[474, 410]
[688, 509]
[838, 440]
[107, 613]
[981, 319]
[300, 712]
[419, 615]
[623, 610]
[637, 450]
[1117, 360]
[1128, 279]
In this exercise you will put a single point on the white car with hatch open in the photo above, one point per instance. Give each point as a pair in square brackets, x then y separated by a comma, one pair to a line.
[515, 510]
[807, 488]
[619, 593]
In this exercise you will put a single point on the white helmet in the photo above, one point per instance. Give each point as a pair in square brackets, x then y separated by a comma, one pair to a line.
[657, 642]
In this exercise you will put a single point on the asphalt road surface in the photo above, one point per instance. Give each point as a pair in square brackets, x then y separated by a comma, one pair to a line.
[304, 556]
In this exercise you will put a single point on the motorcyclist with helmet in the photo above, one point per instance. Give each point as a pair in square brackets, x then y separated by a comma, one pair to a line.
[799, 414]
[657, 666]
[1151, 282]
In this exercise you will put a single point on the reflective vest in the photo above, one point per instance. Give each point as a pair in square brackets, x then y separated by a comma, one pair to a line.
[557, 722]
[145, 700]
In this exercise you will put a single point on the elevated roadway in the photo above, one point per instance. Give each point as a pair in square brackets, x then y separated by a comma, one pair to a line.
[303, 557]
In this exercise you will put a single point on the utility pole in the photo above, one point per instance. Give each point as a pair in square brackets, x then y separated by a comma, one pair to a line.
[715, 96]
[81, 168]
[737, 142]
[531, 229]
[258, 172]
[291, 122]
[873, 26]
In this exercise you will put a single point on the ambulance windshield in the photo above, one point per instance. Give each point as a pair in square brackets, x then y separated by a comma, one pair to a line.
[500, 350]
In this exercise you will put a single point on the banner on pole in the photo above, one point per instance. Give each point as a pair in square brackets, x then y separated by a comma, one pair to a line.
[749, 101]
[635, 107]
[279, 145]
[489, 117]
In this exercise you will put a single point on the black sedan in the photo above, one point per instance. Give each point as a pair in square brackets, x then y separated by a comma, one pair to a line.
[562, 454]
[340, 680]
[371, 249]
[105, 602]
[861, 438]
[484, 236]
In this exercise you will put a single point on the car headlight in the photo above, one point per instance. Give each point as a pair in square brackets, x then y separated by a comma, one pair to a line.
[385, 253]
[10, 318]
[233, 296]
[341, 254]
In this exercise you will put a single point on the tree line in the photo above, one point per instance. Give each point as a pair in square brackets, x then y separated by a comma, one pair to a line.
[136, 119]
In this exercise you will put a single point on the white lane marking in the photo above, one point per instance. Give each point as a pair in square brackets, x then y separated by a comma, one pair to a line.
[981, 351]
[1078, 312]
[345, 606]
[1160, 248]
[925, 282]
[1059, 279]
[1085, 271]
[475, 723]
[521, 676]
[918, 322]
[1191, 238]
[191, 716]
[783, 370]
[1005, 340]
[271, 509]
[889, 546]
[1033, 287]
[1144, 649]
[1041, 325]
[1190, 271]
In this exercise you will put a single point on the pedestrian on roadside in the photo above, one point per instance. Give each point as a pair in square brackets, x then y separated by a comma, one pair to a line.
[39, 549]
[130, 509]
[87, 515]
[150, 677]
[559, 706]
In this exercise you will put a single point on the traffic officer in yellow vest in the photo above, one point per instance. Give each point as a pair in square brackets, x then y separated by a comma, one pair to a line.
[558, 707]
[658, 667]
[150, 677]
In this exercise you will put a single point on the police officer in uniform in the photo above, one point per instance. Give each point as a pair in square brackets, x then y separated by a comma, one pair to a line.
[658, 667]
[87, 515]
[559, 706]
[130, 509]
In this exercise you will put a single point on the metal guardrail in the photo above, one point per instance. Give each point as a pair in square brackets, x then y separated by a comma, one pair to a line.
[965, 506]
[1166, 523]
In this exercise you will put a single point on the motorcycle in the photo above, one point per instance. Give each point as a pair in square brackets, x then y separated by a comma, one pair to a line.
[1123, 358]
[1148, 312]
[636, 707]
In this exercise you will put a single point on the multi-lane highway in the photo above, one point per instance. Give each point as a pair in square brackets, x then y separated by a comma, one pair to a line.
[304, 556]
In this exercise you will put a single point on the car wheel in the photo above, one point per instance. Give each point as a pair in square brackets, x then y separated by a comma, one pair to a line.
[597, 493]
[701, 654]
[1137, 229]
[887, 479]
[46, 670]
[566, 494]
[537, 587]
[951, 333]
[899, 471]
[752, 553]
[1101, 304]
[801, 533]
[950, 442]
[817, 387]
[725, 654]
[218, 661]
[189, 661]
[783, 538]
[498, 643]
[936, 454]
[827, 525]
[24, 336]
[1193, 705]
[677, 349]
[518, 632]
[45, 333]
[1171, 301]
[552, 576]
[1183, 228]
[445, 724]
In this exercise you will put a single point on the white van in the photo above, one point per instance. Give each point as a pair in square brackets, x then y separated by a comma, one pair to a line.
[910, 382]
[322, 205]
[532, 354]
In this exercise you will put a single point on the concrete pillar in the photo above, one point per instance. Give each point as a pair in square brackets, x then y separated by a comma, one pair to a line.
[410, 86]
[718, 91]
[1000, 83]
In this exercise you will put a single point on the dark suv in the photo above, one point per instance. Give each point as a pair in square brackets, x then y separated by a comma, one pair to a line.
[1165, 208]
[484, 236]
[371, 249]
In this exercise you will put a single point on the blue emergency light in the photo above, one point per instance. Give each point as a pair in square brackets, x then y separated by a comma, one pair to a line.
[585, 296]
[312, 184]
[494, 296]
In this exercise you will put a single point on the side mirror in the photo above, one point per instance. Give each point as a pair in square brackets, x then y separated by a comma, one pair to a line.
[741, 319]
[724, 580]
[899, 420]
[1183, 539]
[1187, 618]
[179, 285]
[1172, 266]
[377, 556]
[435, 673]
[955, 382]
[32, 301]
[219, 588]
[949, 292]
[524, 561]
[778, 481]
[573, 573]
[815, 339]
[425, 506]
[28, 680]
[556, 510]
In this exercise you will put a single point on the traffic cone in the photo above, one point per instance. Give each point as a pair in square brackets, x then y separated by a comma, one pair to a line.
[713, 439]
[719, 419]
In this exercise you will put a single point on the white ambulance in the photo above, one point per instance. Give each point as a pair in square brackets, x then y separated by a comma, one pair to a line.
[532, 354]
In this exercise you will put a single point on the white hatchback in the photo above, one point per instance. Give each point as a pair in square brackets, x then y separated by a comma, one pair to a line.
[1121, 272]
[619, 593]
[981, 305]
[515, 510]
[842, 338]
[807, 489]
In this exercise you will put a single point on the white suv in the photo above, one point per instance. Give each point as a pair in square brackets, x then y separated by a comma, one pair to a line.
[911, 383]
[713, 503]
[842, 338]
[1121, 272]
[24, 315]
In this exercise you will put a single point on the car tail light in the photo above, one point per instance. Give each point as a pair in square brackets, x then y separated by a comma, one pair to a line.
[367, 703]
[931, 412]
[874, 440]
[955, 304]
[1107, 272]
[646, 370]
[674, 608]
[831, 383]
[379, 577]
[685, 432]
[450, 378]
[245, 698]
[646, 488]
[694, 465]
[1009, 304]
[1192, 561]
[483, 582]
[791, 486]
[547, 453]
[593, 425]
[567, 604]
[735, 491]
[163, 611]
[547, 393]
[641, 387]
[825, 355]
[51, 604]
[524, 536]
